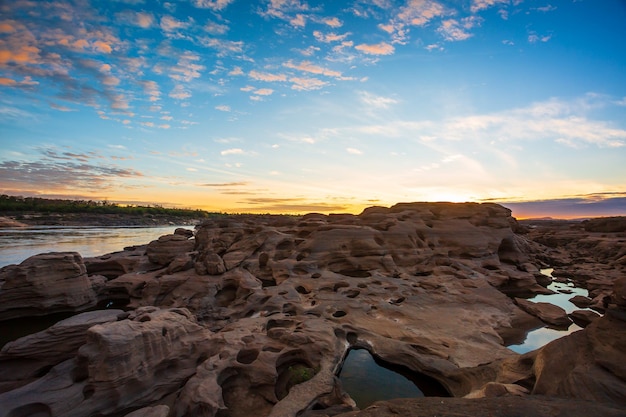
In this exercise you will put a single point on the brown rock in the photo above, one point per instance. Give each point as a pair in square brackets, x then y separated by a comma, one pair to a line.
[536, 406]
[45, 284]
[167, 248]
[29, 357]
[134, 361]
[580, 301]
[547, 312]
[583, 317]
[157, 411]
[619, 293]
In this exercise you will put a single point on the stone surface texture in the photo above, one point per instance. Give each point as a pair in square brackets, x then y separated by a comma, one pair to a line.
[252, 315]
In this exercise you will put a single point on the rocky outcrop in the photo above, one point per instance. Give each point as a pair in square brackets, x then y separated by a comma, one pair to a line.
[253, 315]
[167, 248]
[29, 357]
[123, 365]
[44, 284]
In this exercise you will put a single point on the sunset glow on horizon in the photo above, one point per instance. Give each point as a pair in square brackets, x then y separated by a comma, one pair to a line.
[295, 106]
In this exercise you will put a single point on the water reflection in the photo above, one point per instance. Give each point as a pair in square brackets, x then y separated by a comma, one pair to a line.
[368, 380]
[17, 244]
[544, 335]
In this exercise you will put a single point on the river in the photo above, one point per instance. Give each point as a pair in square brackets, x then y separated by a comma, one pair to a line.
[17, 244]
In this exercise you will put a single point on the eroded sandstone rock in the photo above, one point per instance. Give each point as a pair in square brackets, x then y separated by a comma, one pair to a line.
[45, 284]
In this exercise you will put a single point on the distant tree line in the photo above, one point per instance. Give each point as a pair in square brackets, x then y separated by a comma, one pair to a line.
[18, 204]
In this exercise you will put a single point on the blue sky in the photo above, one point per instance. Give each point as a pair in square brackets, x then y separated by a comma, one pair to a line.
[330, 106]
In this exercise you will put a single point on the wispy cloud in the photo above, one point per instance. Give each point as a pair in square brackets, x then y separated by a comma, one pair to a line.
[377, 102]
[232, 151]
[478, 5]
[307, 84]
[307, 66]
[215, 5]
[266, 76]
[382, 48]
[63, 171]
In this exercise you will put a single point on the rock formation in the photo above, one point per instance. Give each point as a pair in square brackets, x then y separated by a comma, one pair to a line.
[45, 284]
[253, 315]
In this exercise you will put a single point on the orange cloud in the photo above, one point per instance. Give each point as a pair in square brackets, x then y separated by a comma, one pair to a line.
[382, 48]
[26, 54]
[102, 47]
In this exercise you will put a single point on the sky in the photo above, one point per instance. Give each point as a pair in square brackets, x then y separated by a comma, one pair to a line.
[295, 106]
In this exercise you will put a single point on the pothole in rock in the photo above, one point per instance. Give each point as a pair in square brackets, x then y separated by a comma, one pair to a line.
[292, 369]
[226, 296]
[368, 379]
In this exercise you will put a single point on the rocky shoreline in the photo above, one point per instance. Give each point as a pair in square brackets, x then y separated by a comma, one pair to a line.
[253, 315]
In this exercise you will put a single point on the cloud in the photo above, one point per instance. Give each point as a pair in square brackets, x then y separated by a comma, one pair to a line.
[375, 101]
[143, 20]
[284, 9]
[298, 21]
[224, 47]
[563, 122]
[223, 107]
[453, 30]
[186, 69]
[533, 37]
[307, 66]
[545, 9]
[61, 108]
[382, 48]
[232, 151]
[478, 5]
[215, 28]
[180, 93]
[329, 37]
[354, 151]
[170, 24]
[224, 184]
[420, 12]
[265, 76]
[215, 5]
[151, 88]
[63, 171]
[264, 92]
[236, 71]
[333, 22]
[589, 205]
[307, 84]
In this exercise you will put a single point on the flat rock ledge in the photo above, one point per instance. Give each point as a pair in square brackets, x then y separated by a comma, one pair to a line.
[254, 315]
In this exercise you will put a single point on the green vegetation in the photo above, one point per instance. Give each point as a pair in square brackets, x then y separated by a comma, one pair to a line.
[17, 205]
[299, 373]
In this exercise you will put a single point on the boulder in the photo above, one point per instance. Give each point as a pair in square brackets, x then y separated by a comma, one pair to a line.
[45, 284]
[583, 317]
[168, 247]
[581, 301]
[546, 312]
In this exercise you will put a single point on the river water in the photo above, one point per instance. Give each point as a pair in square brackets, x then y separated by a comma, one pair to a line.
[17, 244]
